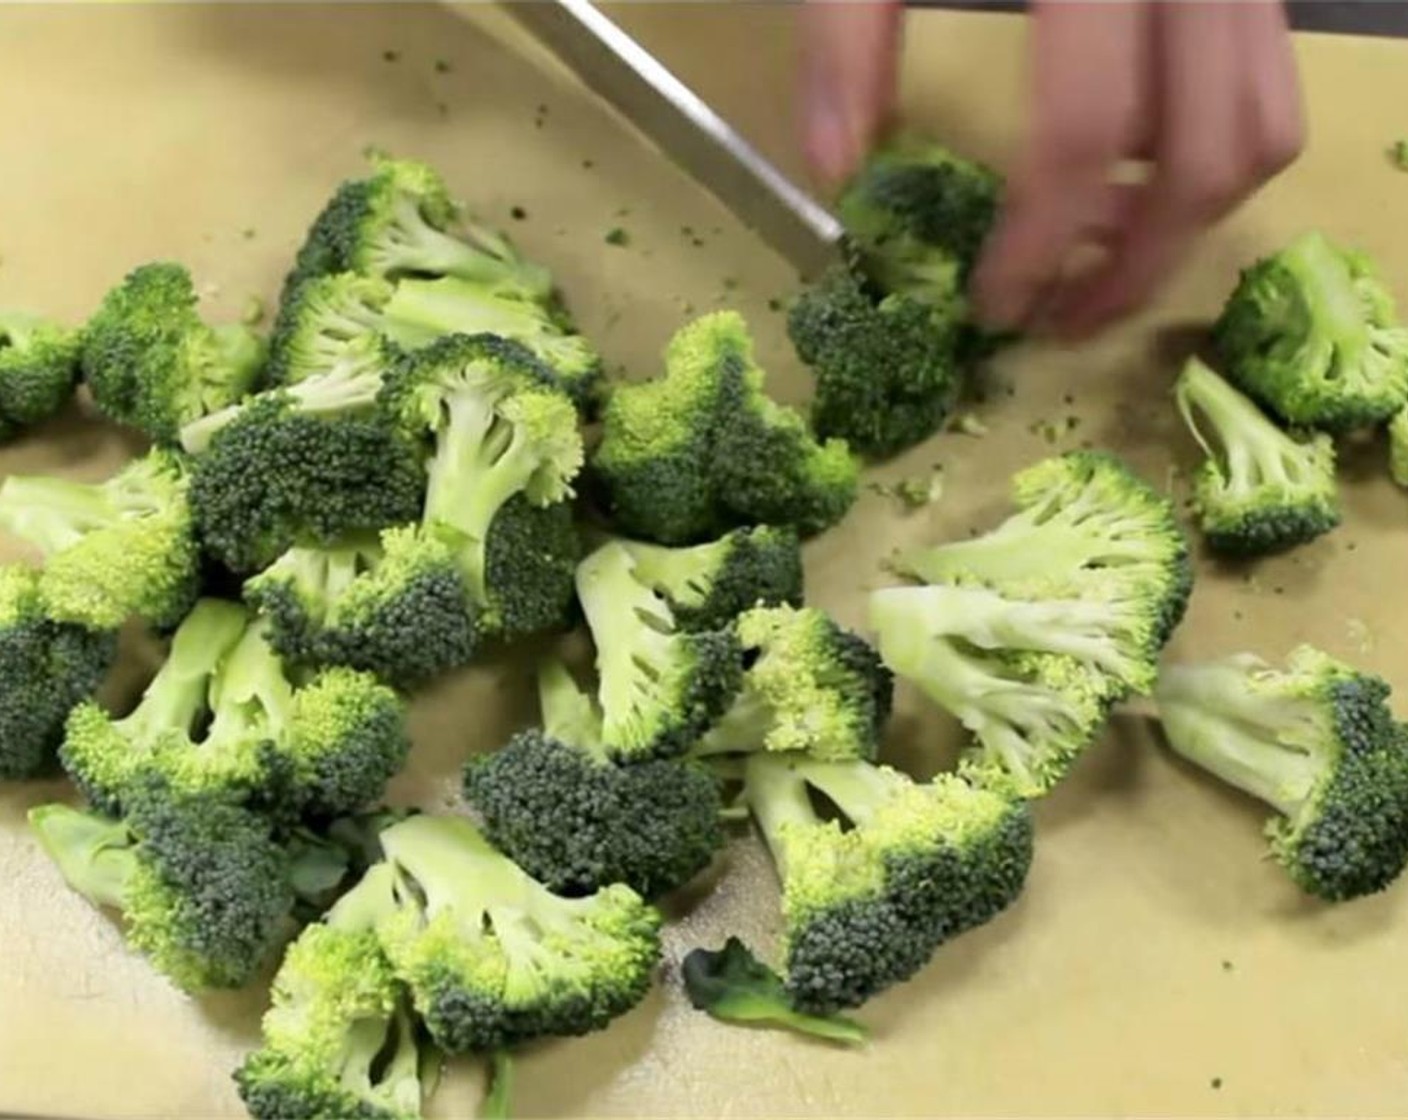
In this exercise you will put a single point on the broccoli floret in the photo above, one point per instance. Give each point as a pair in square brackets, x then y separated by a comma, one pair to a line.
[1259, 490]
[151, 362]
[1087, 527]
[1316, 741]
[865, 904]
[1312, 333]
[38, 369]
[886, 366]
[809, 686]
[112, 550]
[308, 464]
[203, 887]
[660, 688]
[320, 320]
[46, 668]
[555, 803]
[492, 957]
[686, 457]
[1398, 447]
[338, 1038]
[709, 585]
[530, 563]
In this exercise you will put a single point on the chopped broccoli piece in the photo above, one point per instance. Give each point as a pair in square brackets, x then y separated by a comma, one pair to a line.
[734, 986]
[1312, 333]
[809, 686]
[320, 320]
[886, 366]
[38, 369]
[497, 1101]
[576, 821]
[660, 688]
[686, 457]
[1317, 742]
[709, 585]
[112, 550]
[203, 887]
[152, 363]
[1259, 490]
[865, 906]
[492, 957]
[46, 668]
[1398, 447]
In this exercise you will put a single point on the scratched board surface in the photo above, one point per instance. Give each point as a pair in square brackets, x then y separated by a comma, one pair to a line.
[1156, 964]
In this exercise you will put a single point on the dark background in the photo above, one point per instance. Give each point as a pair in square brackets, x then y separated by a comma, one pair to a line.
[1347, 17]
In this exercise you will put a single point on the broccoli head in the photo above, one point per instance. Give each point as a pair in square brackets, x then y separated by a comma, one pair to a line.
[1312, 333]
[660, 688]
[46, 668]
[809, 686]
[152, 363]
[886, 366]
[1259, 490]
[1314, 740]
[112, 550]
[576, 821]
[38, 369]
[865, 905]
[492, 957]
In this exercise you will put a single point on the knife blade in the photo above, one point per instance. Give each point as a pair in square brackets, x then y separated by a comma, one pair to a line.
[679, 123]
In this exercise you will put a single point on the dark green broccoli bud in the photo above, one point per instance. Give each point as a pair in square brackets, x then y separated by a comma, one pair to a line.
[46, 668]
[530, 565]
[809, 686]
[1316, 741]
[492, 957]
[1087, 526]
[711, 584]
[113, 550]
[867, 898]
[555, 803]
[338, 1038]
[320, 320]
[1259, 490]
[734, 986]
[886, 366]
[312, 463]
[152, 363]
[1312, 333]
[201, 884]
[38, 369]
[685, 457]
[661, 689]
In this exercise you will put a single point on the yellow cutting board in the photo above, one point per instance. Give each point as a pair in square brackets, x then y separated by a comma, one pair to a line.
[1157, 964]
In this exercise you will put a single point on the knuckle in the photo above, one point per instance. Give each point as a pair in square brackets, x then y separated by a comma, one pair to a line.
[1205, 186]
[1280, 145]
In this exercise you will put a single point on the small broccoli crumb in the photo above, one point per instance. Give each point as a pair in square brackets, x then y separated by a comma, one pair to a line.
[442, 108]
[518, 214]
[730, 284]
[442, 66]
[914, 492]
[390, 56]
[618, 237]
[774, 304]
[588, 165]
[1226, 966]
[1046, 430]
[970, 425]
[1068, 399]
[1360, 635]
[249, 233]
[1398, 154]
[1072, 423]
[253, 313]
[1216, 1083]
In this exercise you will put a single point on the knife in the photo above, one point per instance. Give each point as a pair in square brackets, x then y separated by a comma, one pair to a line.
[678, 122]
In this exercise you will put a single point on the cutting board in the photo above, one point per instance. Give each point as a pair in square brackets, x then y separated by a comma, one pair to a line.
[1157, 963]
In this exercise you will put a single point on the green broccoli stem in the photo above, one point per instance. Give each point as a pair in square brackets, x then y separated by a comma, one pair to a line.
[180, 691]
[418, 245]
[368, 904]
[240, 350]
[499, 1099]
[1334, 308]
[53, 513]
[399, 1082]
[569, 715]
[421, 311]
[94, 853]
[452, 866]
[743, 727]
[777, 795]
[685, 573]
[1251, 448]
[858, 788]
[251, 693]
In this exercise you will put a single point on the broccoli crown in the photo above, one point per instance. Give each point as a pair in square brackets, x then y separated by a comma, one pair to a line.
[1259, 490]
[660, 688]
[1316, 741]
[46, 668]
[688, 456]
[530, 564]
[886, 367]
[865, 906]
[38, 369]
[709, 585]
[809, 686]
[309, 464]
[337, 1038]
[112, 550]
[153, 363]
[1312, 333]
[1087, 526]
[320, 320]
[201, 884]
[347, 738]
[576, 821]
[492, 957]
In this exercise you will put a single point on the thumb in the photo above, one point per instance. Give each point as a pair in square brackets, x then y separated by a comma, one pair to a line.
[850, 52]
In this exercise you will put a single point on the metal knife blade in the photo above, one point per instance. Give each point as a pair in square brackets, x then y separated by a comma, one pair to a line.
[677, 121]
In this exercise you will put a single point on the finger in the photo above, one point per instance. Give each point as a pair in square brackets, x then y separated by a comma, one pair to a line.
[1277, 111]
[850, 54]
[1086, 97]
